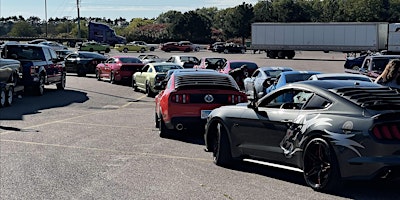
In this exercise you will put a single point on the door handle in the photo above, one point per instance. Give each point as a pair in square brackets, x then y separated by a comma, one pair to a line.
[287, 121]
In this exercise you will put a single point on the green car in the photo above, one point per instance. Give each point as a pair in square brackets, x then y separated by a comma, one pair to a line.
[131, 47]
[94, 46]
[151, 75]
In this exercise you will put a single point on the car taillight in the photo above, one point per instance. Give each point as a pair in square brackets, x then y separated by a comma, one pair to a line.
[180, 98]
[235, 99]
[386, 132]
[34, 69]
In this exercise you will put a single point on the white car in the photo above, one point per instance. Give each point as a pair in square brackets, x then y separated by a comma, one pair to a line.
[186, 61]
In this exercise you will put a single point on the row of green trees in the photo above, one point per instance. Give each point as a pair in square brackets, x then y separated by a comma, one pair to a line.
[206, 25]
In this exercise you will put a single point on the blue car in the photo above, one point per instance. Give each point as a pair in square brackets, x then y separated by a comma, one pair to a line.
[290, 77]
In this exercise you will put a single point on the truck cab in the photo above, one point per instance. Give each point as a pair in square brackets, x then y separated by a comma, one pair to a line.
[373, 65]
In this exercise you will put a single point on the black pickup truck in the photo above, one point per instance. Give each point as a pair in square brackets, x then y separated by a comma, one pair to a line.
[40, 66]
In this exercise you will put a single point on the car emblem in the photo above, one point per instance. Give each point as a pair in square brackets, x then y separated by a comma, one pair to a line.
[209, 98]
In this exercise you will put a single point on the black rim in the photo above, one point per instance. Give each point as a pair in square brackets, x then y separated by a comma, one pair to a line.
[216, 142]
[317, 164]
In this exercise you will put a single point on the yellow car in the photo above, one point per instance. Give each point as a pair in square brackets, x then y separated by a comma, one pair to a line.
[131, 47]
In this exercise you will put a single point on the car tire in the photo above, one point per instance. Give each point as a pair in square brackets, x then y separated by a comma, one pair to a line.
[112, 78]
[39, 89]
[320, 167]
[3, 97]
[222, 155]
[142, 50]
[226, 51]
[149, 93]
[134, 86]
[152, 48]
[281, 54]
[356, 68]
[108, 50]
[243, 51]
[9, 96]
[62, 83]
[163, 132]
[98, 75]
[156, 120]
[81, 72]
[125, 50]
[91, 49]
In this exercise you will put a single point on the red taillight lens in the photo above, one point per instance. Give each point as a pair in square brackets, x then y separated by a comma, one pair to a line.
[386, 131]
[235, 99]
[180, 98]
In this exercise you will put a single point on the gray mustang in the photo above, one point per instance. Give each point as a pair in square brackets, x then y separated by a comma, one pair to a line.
[329, 130]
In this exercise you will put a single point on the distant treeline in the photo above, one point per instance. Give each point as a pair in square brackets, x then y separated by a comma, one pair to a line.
[207, 25]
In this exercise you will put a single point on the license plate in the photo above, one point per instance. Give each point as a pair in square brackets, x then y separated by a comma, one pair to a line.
[205, 113]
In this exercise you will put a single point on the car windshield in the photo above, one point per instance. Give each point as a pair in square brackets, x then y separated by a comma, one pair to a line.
[25, 52]
[379, 64]
[291, 78]
[214, 60]
[274, 73]
[188, 58]
[130, 60]
[165, 68]
[251, 66]
[92, 55]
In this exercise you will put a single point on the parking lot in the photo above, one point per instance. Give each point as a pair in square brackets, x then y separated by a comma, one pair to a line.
[97, 140]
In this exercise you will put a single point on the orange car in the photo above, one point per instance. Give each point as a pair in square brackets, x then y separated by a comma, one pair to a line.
[190, 95]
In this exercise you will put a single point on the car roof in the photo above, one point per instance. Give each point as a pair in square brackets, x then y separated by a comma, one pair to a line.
[334, 84]
[384, 56]
[275, 68]
[233, 61]
[299, 72]
[322, 75]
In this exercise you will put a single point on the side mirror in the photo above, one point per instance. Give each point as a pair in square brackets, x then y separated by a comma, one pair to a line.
[267, 82]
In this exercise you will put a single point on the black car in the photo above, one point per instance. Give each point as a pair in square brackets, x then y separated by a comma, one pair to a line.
[354, 63]
[329, 130]
[230, 48]
[83, 62]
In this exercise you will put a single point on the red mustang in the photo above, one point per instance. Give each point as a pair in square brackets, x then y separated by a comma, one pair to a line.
[118, 68]
[189, 97]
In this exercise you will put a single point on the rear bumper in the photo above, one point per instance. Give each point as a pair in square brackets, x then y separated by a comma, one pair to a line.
[187, 123]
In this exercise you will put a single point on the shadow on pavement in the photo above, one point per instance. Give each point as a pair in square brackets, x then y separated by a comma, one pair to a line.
[31, 104]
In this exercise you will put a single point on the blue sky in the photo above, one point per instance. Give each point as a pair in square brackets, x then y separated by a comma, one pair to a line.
[107, 8]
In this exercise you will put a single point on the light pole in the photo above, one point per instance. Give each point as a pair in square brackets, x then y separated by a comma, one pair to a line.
[45, 14]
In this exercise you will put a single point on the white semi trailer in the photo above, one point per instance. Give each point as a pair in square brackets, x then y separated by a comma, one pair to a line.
[281, 40]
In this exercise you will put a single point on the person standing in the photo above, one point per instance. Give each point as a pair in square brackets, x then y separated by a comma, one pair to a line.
[391, 75]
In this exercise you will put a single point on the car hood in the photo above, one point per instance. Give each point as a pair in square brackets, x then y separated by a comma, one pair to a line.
[230, 110]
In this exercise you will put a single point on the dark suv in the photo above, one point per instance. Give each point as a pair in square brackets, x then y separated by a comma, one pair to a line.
[40, 65]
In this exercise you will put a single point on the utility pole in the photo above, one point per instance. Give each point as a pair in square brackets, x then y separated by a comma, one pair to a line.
[79, 19]
[45, 15]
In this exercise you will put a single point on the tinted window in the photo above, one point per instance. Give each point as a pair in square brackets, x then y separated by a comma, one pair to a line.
[130, 60]
[291, 78]
[251, 66]
[274, 73]
[91, 55]
[165, 68]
